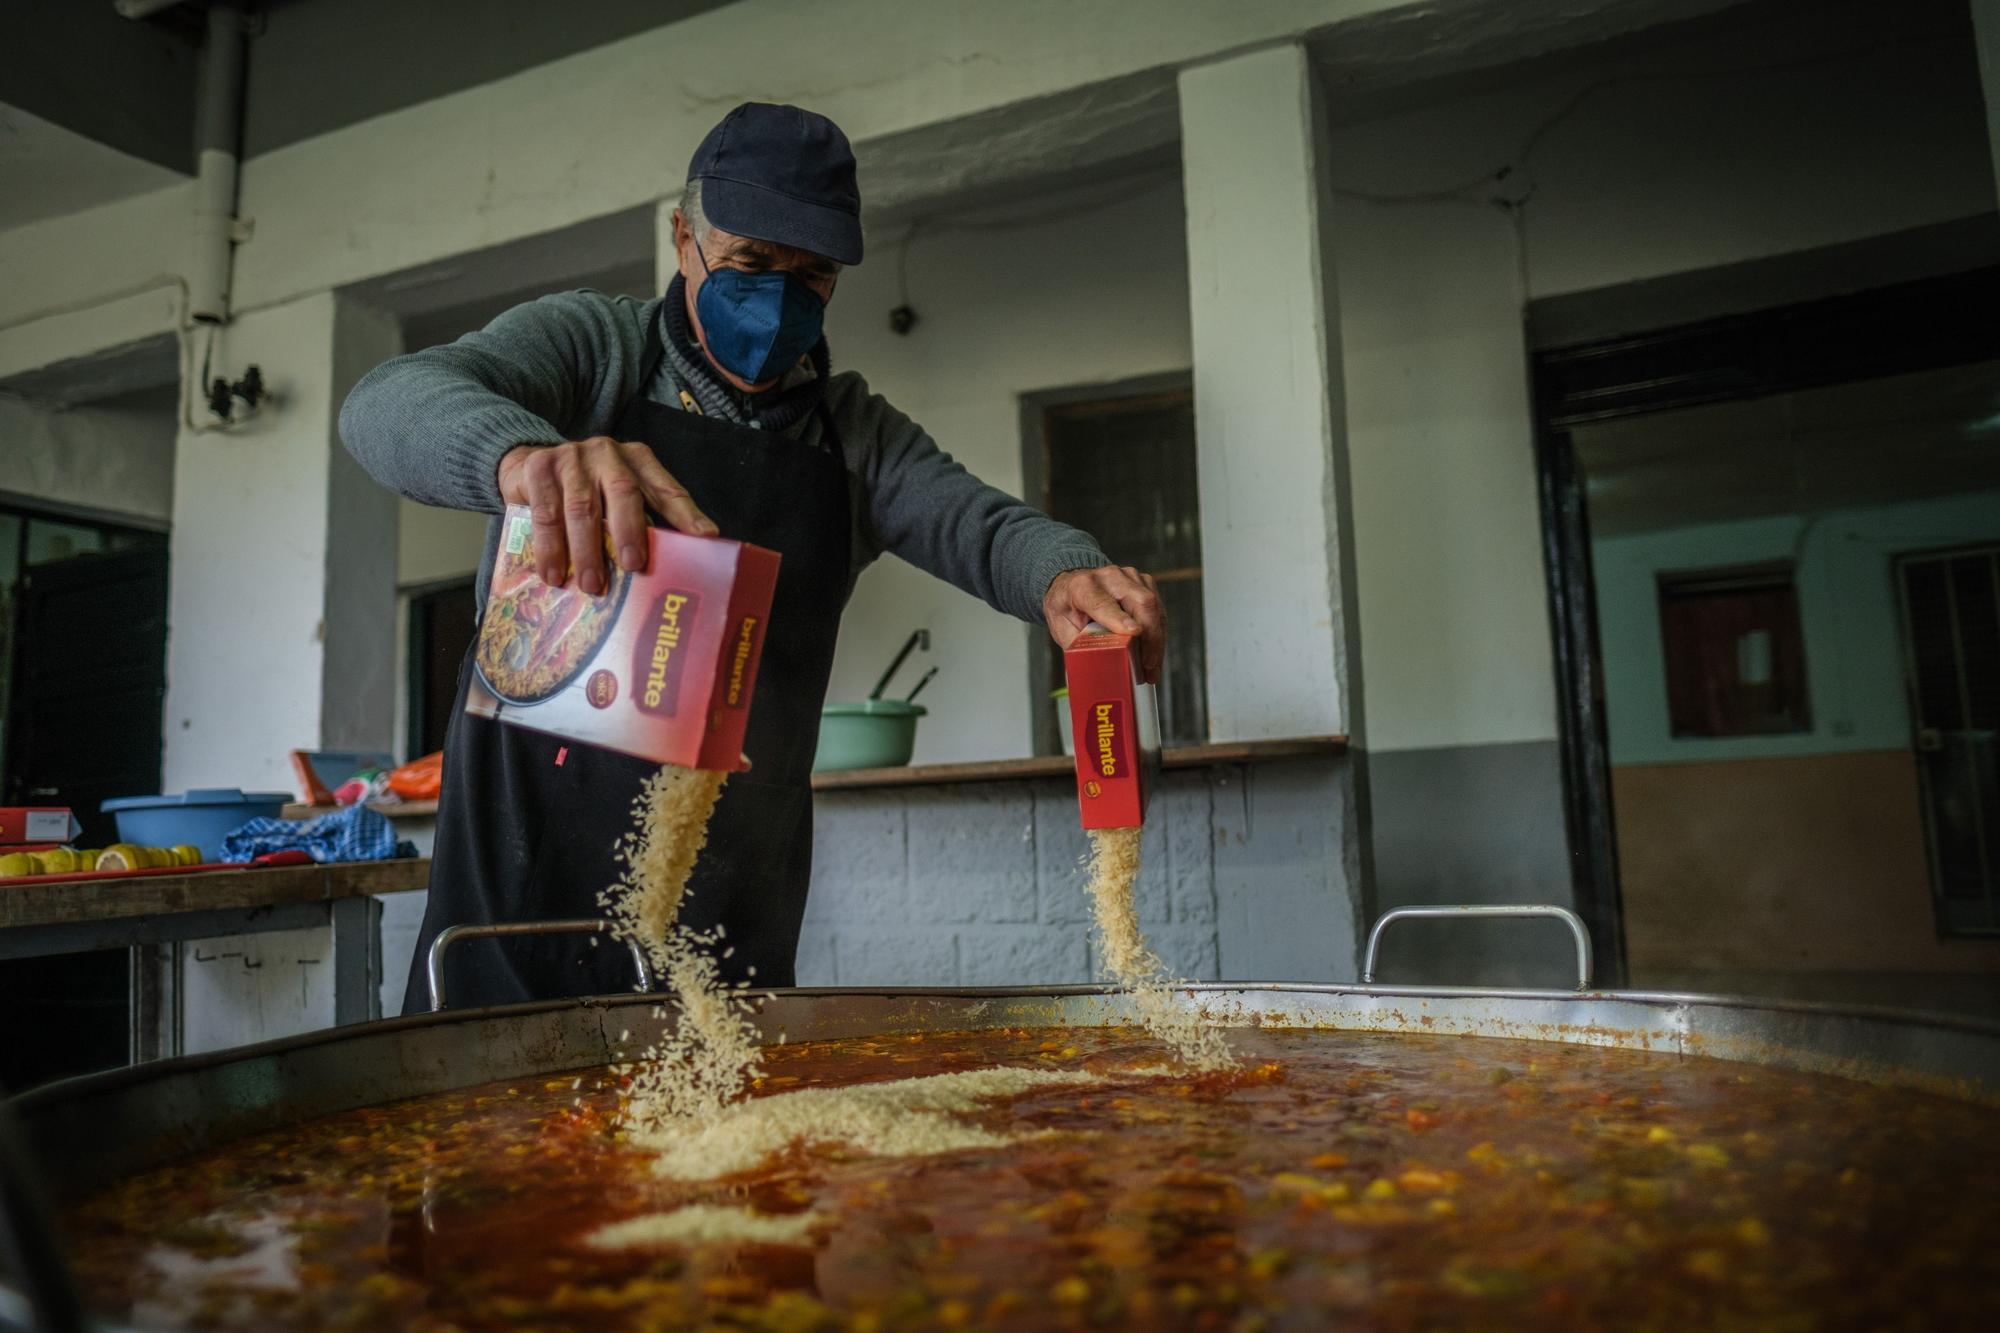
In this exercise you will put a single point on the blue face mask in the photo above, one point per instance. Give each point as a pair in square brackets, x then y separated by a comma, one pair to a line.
[757, 325]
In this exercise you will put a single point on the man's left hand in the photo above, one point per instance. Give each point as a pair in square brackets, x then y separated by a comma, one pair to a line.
[1117, 597]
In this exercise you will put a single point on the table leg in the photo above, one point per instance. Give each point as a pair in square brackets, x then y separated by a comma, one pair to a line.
[357, 959]
[155, 1001]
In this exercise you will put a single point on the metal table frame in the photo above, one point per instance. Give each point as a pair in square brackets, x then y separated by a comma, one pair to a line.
[153, 940]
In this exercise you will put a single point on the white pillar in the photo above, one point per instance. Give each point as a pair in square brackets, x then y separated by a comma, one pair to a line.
[1269, 409]
[1276, 547]
[281, 618]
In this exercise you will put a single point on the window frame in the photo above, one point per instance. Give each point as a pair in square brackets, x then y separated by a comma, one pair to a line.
[417, 651]
[1770, 575]
[1034, 407]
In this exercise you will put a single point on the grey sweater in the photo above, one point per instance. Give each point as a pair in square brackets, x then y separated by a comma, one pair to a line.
[433, 425]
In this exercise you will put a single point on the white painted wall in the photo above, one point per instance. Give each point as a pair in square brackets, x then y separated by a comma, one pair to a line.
[281, 629]
[1633, 183]
[118, 459]
[534, 151]
[1848, 612]
[1681, 158]
[1097, 294]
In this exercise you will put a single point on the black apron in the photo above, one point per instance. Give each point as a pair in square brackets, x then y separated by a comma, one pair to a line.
[527, 823]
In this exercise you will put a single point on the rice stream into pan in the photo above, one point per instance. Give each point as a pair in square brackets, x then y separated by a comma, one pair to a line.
[701, 1065]
[1114, 870]
[685, 1100]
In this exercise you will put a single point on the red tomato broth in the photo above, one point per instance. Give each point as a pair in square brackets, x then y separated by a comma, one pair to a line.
[1377, 1181]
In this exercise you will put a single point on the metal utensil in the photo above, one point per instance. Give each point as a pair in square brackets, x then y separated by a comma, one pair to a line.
[920, 639]
[917, 689]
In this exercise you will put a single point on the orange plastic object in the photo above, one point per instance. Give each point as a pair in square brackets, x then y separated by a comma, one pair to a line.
[419, 779]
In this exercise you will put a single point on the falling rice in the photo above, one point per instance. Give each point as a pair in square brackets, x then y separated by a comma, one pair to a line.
[685, 1103]
[704, 1062]
[1113, 870]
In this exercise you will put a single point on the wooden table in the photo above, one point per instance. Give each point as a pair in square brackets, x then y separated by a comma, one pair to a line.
[40, 918]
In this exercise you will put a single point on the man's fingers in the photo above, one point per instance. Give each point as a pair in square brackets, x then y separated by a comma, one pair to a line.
[583, 520]
[543, 493]
[1097, 601]
[667, 495]
[624, 509]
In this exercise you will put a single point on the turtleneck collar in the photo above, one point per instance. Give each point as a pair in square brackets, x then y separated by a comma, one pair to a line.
[773, 409]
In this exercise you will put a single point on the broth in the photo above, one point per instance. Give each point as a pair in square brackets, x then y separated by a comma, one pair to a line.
[1371, 1181]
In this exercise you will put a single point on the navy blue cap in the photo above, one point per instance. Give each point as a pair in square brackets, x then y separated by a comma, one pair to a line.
[782, 174]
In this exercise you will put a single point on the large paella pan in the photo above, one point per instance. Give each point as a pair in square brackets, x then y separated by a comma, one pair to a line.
[1389, 1157]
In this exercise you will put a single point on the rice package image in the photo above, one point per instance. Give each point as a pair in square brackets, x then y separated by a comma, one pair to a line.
[1116, 724]
[661, 665]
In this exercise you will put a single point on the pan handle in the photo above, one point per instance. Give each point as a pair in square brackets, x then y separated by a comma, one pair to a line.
[1562, 914]
[450, 935]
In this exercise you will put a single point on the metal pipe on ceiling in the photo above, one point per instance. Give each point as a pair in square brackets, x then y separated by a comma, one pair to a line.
[218, 131]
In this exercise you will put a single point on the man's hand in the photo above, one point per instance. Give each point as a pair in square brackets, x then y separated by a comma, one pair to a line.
[577, 490]
[1119, 598]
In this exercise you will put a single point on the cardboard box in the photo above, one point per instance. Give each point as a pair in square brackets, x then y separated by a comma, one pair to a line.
[52, 824]
[1117, 728]
[661, 666]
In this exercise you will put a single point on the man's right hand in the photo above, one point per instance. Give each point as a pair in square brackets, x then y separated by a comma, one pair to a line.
[576, 490]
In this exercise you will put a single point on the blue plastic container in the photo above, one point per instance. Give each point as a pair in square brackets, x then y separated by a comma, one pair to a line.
[203, 816]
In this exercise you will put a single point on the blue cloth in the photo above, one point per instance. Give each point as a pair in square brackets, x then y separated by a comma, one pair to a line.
[354, 833]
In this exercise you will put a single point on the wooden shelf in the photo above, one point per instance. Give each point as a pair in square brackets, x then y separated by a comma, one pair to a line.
[41, 902]
[1057, 765]
[393, 809]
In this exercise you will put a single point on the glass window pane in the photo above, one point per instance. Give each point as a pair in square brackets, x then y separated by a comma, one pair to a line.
[50, 540]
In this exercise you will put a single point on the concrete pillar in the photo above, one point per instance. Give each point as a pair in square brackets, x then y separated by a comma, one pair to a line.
[1986, 36]
[281, 619]
[1269, 408]
[1277, 545]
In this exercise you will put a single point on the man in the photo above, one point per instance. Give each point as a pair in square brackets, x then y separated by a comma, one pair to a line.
[716, 409]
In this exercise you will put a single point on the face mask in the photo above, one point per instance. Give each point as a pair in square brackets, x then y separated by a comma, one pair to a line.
[757, 325]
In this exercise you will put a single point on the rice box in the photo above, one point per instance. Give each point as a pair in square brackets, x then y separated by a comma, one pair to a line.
[1116, 726]
[661, 665]
[49, 824]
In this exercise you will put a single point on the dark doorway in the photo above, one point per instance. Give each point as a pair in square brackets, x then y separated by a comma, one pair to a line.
[88, 674]
[1799, 364]
[83, 635]
[443, 617]
[1951, 632]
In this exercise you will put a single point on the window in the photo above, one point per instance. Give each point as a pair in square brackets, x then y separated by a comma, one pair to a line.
[1121, 466]
[1735, 658]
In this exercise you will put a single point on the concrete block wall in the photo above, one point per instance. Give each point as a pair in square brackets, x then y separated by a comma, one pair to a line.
[982, 884]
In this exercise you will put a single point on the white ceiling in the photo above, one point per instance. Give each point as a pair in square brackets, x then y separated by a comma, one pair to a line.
[1901, 437]
[46, 170]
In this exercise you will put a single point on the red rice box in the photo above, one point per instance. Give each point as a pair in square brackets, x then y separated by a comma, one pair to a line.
[1116, 728]
[662, 665]
[47, 824]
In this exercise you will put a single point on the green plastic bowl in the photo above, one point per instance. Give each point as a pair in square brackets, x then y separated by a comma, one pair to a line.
[876, 733]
